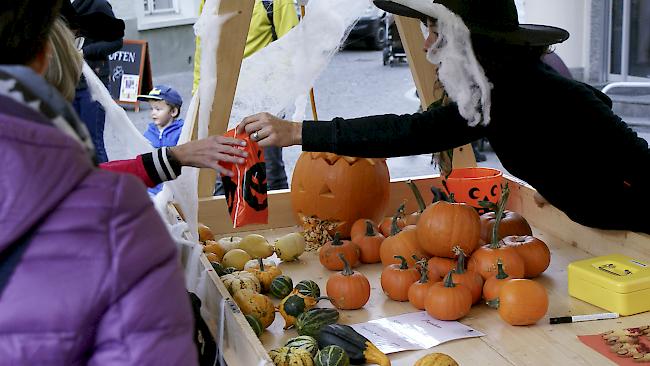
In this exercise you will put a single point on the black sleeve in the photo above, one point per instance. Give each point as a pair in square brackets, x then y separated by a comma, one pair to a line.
[100, 50]
[390, 135]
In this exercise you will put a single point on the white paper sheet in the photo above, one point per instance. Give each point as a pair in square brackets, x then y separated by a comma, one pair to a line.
[412, 331]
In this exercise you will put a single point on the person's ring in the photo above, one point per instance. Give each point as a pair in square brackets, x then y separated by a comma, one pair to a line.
[255, 135]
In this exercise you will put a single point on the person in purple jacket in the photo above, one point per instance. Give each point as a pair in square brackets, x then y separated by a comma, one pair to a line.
[88, 273]
[165, 127]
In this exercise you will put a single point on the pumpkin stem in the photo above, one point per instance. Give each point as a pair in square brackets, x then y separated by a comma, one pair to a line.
[449, 281]
[404, 264]
[347, 271]
[494, 303]
[394, 228]
[418, 196]
[261, 262]
[501, 274]
[501, 207]
[370, 229]
[424, 266]
[460, 264]
[336, 240]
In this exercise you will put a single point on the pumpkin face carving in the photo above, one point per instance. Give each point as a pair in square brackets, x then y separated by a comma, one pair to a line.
[339, 188]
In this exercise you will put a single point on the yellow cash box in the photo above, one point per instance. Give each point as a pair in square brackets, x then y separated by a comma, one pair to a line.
[613, 282]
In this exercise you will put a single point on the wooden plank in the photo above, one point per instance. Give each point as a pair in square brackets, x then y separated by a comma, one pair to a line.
[426, 78]
[230, 53]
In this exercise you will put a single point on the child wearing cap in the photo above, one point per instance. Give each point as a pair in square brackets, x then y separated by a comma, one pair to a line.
[165, 128]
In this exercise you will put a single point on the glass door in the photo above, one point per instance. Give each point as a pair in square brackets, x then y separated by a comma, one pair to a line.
[629, 53]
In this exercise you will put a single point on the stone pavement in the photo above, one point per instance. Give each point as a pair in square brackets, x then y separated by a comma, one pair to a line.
[355, 84]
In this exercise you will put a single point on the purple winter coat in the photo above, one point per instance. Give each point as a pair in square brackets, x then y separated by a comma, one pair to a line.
[100, 283]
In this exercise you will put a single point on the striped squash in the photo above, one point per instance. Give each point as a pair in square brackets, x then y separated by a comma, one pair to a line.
[305, 342]
[332, 356]
[255, 323]
[281, 286]
[308, 288]
[285, 356]
[311, 321]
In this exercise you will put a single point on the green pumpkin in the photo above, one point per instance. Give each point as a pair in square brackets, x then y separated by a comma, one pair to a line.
[281, 286]
[332, 356]
[305, 342]
[285, 356]
[255, 324]
[308, 288]
[221, 270]
[311, 321]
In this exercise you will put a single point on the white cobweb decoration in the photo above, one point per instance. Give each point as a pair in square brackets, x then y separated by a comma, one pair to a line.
[459, 71]
[122, 139]
[277, 78]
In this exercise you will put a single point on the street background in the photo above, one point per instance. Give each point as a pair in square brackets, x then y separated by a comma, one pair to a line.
[355, 84]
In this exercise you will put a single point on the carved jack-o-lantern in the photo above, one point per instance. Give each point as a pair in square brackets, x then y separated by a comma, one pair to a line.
[472, 185]
[339, 188]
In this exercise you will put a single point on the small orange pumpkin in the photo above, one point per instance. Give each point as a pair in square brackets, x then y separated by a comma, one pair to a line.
[484, 259]
[403, 243]
[470, 279]
[348, 290]
[534, 252]
[419, 290]
[386, 225]
[440, 265]
[521, 302]
[447, 300]
[328, 254]
[444, 225]
[359, 228]
[369, 244]
[493, 285]
[512, 223]
[396, 279]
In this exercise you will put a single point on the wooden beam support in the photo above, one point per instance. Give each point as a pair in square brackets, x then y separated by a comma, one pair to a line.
[230, 53]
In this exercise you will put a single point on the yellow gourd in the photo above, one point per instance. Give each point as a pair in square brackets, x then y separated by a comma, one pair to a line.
[436, 359]
[236, 258]
[290, 246]
[211, 246]
[256, 246]
[257, 305]
[241, 280]
[291, 356]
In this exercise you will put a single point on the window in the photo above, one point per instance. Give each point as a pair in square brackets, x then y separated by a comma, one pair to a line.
[629, 52]
[153, 14]
[160, 6]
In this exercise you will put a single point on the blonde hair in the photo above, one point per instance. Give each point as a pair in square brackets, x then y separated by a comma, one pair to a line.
[65, 65]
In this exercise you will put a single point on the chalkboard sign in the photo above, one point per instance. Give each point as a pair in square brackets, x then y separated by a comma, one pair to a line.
[130, 72]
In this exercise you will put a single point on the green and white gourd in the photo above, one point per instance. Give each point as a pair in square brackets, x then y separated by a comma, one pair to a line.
[332, 356]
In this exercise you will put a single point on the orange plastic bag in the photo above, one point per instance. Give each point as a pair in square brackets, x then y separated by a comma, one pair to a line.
[246, 191]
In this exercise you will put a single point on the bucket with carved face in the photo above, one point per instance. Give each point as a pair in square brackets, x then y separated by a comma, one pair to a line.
[472, 185]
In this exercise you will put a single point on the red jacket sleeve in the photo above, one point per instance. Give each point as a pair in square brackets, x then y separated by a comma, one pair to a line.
[131, 166]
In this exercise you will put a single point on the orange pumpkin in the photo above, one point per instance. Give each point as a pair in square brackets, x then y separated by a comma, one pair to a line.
[348, 290]
[444, 225]
[396, 279]
[369, 244]
[484, 259]
[403, 243]
[493, 285]
[359, 228]
[329, 253]
[339, 188]
[534, 252]
[419, 290]
[470, 279]
[447, 300]
[521, 302]
[440, 265]
[386, 225]
[512, 223]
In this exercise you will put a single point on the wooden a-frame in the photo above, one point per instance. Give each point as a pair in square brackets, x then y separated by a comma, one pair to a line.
[213, 210]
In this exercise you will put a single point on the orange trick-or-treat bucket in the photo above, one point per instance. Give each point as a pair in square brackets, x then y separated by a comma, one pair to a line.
[471, 185]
